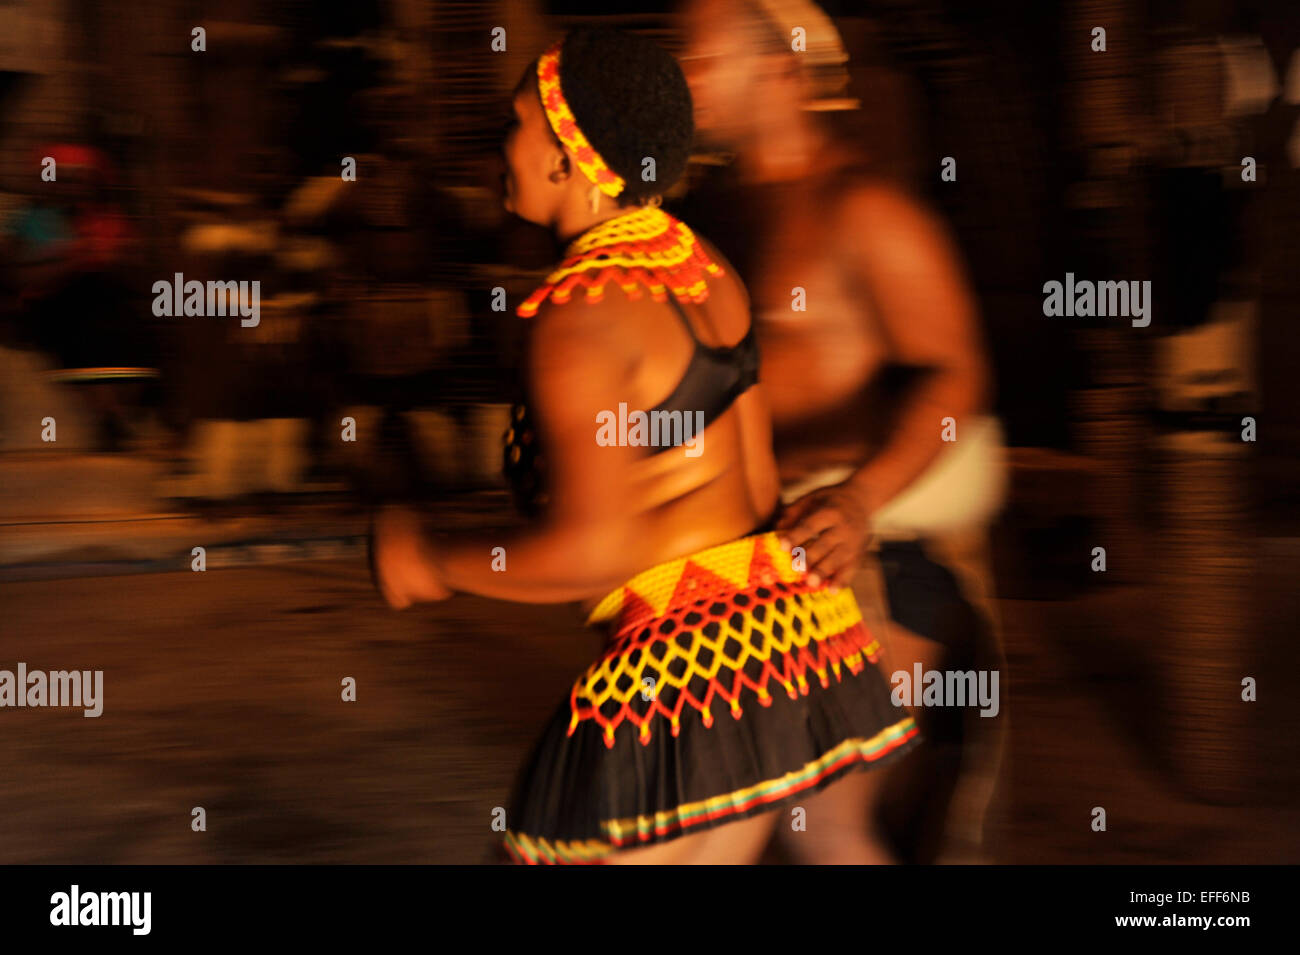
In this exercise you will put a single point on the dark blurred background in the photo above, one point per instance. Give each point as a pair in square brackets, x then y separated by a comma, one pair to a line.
[376, 301]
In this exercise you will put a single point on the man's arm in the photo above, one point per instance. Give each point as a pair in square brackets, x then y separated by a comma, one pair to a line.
[908, 273]
[916, 285]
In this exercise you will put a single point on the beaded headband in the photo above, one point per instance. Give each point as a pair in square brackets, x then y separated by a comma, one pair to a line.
[565, 125]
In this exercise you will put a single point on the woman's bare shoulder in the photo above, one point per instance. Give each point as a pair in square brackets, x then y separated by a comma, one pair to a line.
[729, 282]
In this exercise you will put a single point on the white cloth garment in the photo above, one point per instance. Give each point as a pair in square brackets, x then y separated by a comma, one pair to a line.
[964, 487]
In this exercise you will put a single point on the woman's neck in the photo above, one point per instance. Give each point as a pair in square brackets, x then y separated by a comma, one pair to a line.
[575, 222]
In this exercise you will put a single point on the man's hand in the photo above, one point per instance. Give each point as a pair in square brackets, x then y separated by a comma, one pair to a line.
[832, 525]
[401, 560]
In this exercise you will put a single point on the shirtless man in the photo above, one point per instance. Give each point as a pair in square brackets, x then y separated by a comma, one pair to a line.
[883, 288]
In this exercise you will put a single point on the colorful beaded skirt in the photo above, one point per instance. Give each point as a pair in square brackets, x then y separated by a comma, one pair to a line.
[730, 687]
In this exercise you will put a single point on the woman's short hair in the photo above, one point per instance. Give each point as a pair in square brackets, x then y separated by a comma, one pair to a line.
[631, 101]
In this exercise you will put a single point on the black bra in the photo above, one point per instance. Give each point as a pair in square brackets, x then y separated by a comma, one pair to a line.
[715, 377]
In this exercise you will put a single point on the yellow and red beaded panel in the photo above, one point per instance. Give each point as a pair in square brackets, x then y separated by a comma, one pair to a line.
[720, 626]
[645, 249]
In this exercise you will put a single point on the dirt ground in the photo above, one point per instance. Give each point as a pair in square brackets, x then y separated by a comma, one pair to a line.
[223, 690]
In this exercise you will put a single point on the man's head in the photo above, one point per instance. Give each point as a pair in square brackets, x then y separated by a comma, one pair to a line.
[744, 71]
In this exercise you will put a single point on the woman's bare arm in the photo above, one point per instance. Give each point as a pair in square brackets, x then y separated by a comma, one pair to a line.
[580, 364]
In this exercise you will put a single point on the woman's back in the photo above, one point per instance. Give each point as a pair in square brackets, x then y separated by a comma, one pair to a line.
[655, 374]
[726, 485]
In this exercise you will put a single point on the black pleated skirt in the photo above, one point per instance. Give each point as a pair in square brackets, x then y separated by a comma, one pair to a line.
[729, 687]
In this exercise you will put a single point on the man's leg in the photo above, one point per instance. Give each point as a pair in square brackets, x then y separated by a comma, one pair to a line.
[984, 751]
[931, 628]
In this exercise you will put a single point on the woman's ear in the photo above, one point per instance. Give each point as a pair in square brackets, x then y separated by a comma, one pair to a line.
[560, 168]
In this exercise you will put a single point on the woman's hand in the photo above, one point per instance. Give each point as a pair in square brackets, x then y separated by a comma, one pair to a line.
[402, 560]
[833, 526]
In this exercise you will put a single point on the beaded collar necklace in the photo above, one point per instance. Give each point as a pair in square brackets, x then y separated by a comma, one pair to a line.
[645, 248]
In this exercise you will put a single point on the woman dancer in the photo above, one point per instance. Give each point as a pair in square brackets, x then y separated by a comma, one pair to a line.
[732, 684]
